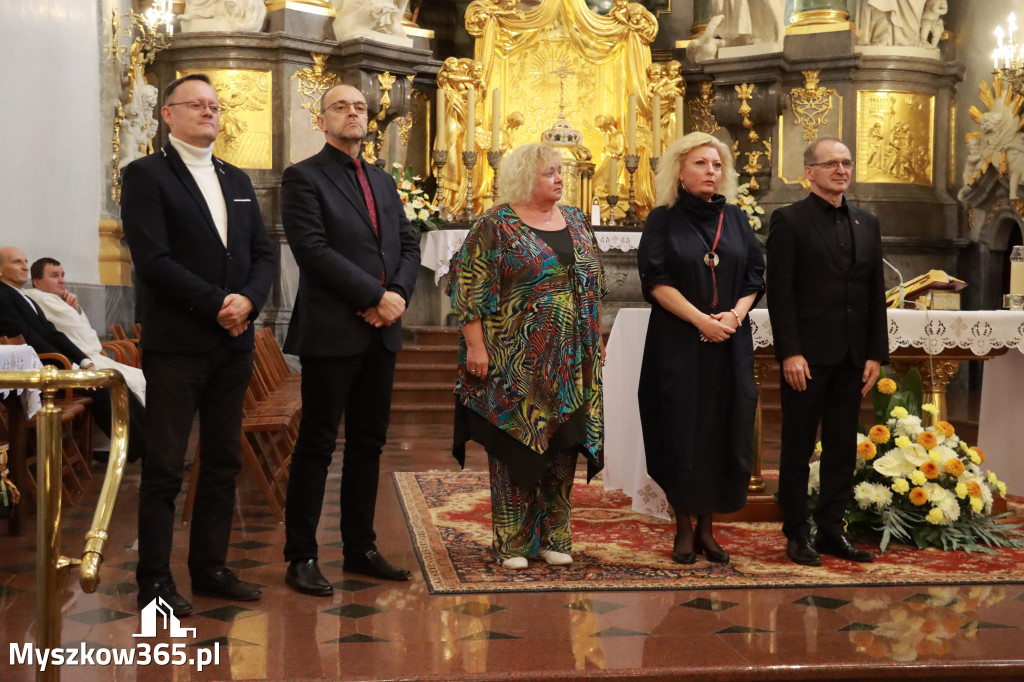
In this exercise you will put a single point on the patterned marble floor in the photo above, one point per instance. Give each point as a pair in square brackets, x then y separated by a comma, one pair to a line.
[376, 630]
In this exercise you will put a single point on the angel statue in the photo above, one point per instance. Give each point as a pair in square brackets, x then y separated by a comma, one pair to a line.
[242, 16]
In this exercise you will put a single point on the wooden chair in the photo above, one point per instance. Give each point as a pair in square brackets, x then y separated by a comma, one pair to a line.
[76, 438]
[270, 426]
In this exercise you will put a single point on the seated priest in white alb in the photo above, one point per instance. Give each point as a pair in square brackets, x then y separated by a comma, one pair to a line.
[61, 308]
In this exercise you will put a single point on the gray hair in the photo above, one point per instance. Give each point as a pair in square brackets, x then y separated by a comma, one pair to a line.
[811, 150]
[666, 181]
[518, 170]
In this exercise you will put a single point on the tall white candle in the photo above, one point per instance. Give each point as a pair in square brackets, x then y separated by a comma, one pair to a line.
[656, 125]
[613, 176]
[679, 116]
[1017, 278]
[441, 141]
[631, 115]
[496, 120]
[471, 120]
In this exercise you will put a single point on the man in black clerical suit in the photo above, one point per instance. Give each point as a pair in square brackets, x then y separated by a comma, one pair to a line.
[357, 261]
[826, 300]
[205, 267]
[21, 316]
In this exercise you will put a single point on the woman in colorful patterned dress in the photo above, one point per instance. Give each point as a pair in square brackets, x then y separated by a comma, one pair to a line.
[702, 270]
[526, 288]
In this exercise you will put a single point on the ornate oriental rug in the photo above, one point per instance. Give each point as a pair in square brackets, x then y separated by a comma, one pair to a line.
[449, 516]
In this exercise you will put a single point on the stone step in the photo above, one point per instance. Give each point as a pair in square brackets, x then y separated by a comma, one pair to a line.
[415, 354]
[430, 372]
[423, 393]
[436, 336]
[423, 414]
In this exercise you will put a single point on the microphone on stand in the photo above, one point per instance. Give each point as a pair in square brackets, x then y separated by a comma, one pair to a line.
[900, 287]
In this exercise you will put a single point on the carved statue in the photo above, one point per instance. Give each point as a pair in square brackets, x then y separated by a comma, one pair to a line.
[456, 77]
[379, 20]
[635, 17]
[932, 26]
[706, 46]
[747, 22]
[907, 23]
[140, 125]
[1003, 144]
[973, 158]
[242, 16]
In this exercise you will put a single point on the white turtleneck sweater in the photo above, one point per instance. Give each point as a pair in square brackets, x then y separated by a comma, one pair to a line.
[199, 162]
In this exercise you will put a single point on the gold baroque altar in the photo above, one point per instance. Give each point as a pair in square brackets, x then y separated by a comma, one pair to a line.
[530, 57]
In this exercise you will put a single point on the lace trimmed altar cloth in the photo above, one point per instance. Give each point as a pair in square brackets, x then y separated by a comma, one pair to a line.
[979, 331]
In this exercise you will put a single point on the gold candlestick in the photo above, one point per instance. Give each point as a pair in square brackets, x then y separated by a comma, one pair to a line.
[612, 200]
[494, 161]
[469, 161]
[632, 163]
[440, 158]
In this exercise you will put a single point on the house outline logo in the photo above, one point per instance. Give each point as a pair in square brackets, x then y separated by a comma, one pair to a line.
[158, 607]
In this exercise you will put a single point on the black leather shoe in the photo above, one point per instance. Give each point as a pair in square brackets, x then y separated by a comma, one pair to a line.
[684, 558]
[304, 576]
[800, 552]
[839, 545]
[165, 590]
[719, 555]
[373, 564]
[225, 584]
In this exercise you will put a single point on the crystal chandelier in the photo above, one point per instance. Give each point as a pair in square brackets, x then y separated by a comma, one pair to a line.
[1008, 57]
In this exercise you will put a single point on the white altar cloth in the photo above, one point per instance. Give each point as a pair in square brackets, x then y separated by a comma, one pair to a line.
[1002, 398]
[20, 358]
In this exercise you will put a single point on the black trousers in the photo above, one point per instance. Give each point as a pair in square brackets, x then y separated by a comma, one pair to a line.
[358, 386]
[177, 386]
[832, 399]
[102, 412]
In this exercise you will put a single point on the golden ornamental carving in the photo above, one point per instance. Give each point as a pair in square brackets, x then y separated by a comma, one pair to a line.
[372, 147]
[811, 104]
[246, 124]
[313, 82]
[636, 18]
[417, 101]
[457, 75]
[745, 92]
[701, 116]
[895, 136]
[517, 51]
[666, 81]
[134, 43]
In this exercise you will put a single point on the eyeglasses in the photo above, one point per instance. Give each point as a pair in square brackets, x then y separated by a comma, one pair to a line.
[834, 164]
[199, 106]
[341, 106]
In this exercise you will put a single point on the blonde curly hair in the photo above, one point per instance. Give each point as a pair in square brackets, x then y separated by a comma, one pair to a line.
[666, 181]
[518, 170]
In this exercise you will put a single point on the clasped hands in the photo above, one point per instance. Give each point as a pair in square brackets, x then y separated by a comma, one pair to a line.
[234, 314]
[387, 311]
[718, 327]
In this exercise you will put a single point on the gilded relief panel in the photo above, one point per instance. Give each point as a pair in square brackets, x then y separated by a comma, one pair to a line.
[895, 137]
[246, 126]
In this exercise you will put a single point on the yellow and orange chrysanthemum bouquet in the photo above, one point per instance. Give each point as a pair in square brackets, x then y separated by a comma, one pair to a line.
[922, 485]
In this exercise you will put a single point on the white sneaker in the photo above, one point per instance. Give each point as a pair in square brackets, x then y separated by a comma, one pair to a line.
[515, 563]
[553, 558]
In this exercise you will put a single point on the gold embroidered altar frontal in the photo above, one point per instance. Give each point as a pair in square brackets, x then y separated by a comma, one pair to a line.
[530, 56]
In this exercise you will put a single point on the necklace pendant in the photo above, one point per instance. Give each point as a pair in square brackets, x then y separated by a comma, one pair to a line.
[711, 259]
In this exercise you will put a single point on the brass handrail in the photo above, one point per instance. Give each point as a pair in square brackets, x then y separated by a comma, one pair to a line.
[52, 568]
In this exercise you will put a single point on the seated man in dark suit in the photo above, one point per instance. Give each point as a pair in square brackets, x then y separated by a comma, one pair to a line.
[20, 316]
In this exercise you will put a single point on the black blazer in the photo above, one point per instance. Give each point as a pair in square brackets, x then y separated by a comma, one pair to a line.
[818, 308]
[341, 260]
[20, 317]
[184, 269]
